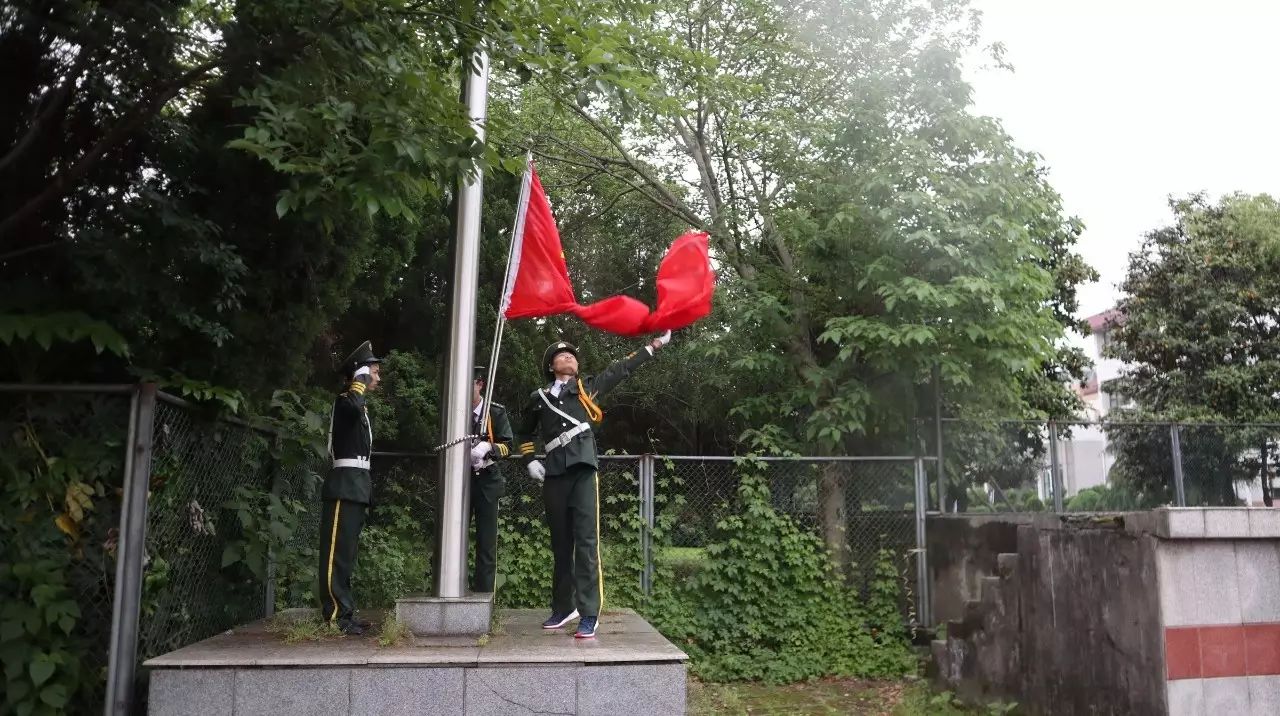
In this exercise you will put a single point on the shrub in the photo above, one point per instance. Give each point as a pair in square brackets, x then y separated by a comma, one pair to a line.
[767, 605]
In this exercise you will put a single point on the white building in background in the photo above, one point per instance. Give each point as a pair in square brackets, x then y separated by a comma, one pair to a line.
[1083, 456]
[1082, 451]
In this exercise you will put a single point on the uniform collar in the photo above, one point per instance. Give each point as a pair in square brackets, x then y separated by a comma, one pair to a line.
[569, 387]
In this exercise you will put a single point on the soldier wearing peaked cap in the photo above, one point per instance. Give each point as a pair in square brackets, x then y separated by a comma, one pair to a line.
[560, 416]
[347, 490]
[487, 483]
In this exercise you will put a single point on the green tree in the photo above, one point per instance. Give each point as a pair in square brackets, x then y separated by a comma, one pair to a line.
[867, 224]
[1202, 336]
[208, 175]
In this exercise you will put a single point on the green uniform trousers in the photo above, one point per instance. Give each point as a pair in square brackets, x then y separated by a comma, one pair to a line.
[572, 501]
[486, 488]
[340, 525]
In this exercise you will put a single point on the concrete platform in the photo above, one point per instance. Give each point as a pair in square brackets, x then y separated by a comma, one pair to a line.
[629, 669]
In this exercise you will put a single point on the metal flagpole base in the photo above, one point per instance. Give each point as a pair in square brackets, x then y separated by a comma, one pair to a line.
[426, 615]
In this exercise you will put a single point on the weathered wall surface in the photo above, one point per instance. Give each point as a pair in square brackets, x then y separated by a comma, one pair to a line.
[1064, 619]
[963, 549]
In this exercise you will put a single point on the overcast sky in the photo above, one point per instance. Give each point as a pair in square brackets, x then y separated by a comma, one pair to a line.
[1130, 101]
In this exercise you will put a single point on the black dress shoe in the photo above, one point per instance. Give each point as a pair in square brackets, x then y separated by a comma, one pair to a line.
[350, 628]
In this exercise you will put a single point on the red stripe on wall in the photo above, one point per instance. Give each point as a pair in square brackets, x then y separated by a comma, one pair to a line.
[1219, 651]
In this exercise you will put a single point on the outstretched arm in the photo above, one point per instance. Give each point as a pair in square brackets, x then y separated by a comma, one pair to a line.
[610, 377]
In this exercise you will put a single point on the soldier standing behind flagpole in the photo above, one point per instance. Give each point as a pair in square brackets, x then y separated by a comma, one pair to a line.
[560, 416]
[347, 490]
[486, 480]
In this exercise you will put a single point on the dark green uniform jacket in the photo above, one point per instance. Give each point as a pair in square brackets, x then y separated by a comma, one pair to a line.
[351, 443]
[487, 485]
[540, 424]
[497, 431]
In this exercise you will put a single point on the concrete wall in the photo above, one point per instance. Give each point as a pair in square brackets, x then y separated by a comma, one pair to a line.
[1171, 611]
[1065, 619]
[1090, 617]
[1219, 585]
[963, 549]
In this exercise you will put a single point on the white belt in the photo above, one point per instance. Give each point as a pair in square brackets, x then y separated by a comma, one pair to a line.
[568, 435]
[360, 462]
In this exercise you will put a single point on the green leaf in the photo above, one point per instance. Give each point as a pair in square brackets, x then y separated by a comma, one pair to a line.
[55, 695]
[40, 672]
[231, 554]
[282, 207]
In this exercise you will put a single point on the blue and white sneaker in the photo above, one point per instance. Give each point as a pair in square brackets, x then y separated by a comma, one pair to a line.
[558, 620]
[586, 628]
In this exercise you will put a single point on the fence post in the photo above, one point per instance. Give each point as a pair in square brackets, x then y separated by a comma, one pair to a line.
[269, 588]
[1055, 469]
[924, 606]
[646, 522]
[1175, 445]
[122, 659]
[937, 426]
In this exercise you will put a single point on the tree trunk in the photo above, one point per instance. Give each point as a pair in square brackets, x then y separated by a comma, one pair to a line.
[832, 515]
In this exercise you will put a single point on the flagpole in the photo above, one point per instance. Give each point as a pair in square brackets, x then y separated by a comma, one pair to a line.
[517, 239]
[455, 412]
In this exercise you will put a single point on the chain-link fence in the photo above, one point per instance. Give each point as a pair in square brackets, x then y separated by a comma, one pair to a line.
[163, 519]
[230, 522]
[857, 507]
[1106, 466]
[406, 489]
[207, 479]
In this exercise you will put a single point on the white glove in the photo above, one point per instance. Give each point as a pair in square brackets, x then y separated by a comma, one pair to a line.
[658, 342]
[537, 471]
[362, 370]
[480, 451]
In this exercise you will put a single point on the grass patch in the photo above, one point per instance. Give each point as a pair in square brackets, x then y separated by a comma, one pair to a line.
[918, 699]
[392, 632]
[496, 626]
[682, 561]
[829, 697]
[826, 697]
[294, 628]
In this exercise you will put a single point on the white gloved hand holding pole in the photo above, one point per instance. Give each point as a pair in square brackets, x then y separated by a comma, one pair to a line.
[481, 451]
[537, 471]
[660, 341]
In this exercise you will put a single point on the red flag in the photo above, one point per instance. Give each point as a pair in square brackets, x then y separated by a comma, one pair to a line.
[538, 281]
[541, 282]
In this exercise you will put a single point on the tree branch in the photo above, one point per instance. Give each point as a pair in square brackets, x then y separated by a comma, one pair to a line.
[30, 249]
[63, 180]
[675, 210]
[55, 101]
[638, 167]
